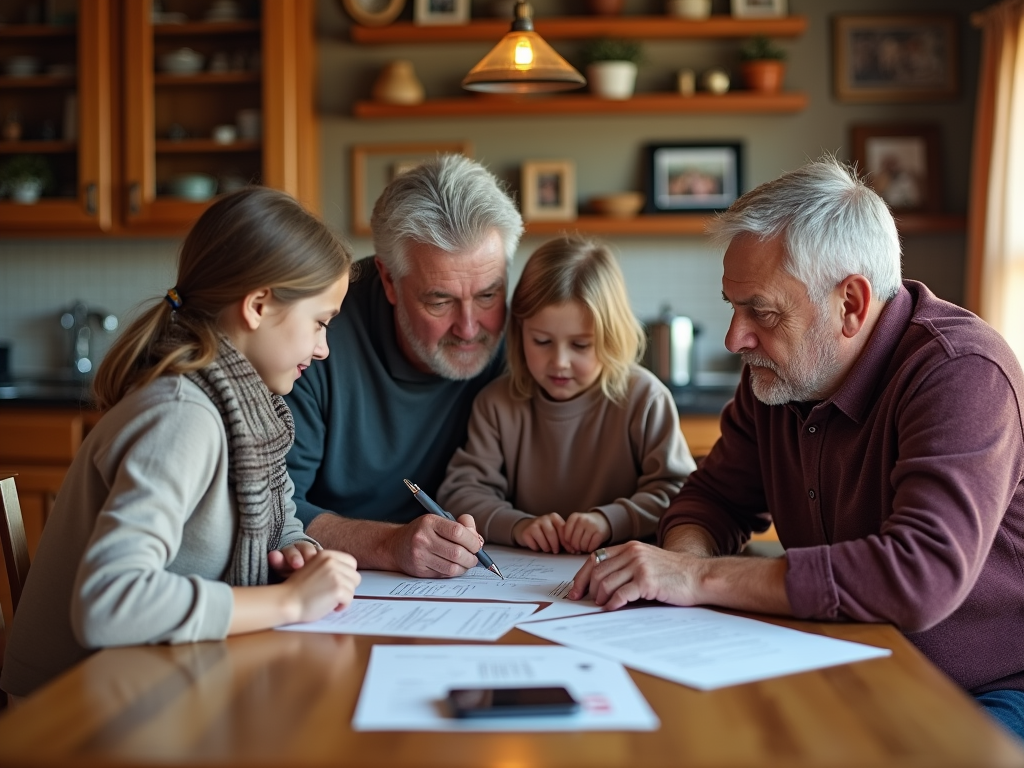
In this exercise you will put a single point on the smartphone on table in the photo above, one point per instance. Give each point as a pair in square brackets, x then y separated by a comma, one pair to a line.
[507, 702]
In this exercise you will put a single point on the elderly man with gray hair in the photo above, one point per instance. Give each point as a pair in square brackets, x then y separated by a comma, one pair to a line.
[878, 426]
[417, 338]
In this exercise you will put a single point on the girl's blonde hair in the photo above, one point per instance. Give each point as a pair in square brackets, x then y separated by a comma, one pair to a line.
[574, 269]
[251, 239]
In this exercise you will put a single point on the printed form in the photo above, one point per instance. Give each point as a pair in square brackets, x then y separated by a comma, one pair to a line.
[529, 577]
[421, 618]
[406, 686]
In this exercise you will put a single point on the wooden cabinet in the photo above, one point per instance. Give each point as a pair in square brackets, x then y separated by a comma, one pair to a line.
[580, 27]
[140, 126]
[38, 445]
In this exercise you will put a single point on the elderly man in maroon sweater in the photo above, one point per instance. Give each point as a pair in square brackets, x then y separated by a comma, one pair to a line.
[878, 426]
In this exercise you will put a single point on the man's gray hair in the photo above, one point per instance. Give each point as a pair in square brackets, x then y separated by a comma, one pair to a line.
[833, 224]
[450, 202]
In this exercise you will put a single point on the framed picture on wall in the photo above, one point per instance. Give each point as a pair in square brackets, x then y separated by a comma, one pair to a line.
[758, 8]
[901, 163]
[895, 58]
[430, 12]
[375, 165]
[692, 176]
[548, 190]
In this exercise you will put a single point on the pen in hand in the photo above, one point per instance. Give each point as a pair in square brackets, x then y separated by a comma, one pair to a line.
[432, 507]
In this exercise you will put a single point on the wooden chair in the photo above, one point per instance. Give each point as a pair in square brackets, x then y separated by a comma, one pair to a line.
[12, 536]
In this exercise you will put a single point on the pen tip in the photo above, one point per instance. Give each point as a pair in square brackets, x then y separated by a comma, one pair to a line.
[412, 486]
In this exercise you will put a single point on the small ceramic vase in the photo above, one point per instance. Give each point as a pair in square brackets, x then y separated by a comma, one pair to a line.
[397, 84]
[612, 79]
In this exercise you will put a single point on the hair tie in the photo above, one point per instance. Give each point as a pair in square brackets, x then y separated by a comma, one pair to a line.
[173, 298]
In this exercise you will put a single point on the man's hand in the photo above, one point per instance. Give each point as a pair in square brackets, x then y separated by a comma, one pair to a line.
[635, 571]
[541, 534]
[585, 532]
[289, 559]
[434, 547]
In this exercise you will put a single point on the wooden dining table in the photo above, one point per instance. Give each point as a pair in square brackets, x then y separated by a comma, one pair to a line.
[287, 699]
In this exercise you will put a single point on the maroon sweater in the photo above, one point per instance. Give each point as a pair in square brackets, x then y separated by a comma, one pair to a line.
[900, 498]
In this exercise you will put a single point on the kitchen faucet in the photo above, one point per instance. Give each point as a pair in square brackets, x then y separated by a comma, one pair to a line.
[79, 321]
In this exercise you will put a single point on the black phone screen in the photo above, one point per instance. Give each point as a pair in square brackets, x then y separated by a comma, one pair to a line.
[505, 702]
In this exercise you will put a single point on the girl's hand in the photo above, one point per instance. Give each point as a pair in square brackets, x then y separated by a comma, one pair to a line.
[289, 559]
[325, 583]
[542, 533]
[585, 532]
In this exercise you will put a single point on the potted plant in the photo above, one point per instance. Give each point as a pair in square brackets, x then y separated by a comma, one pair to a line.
[763, 65]
[24, 177]
[611, 66]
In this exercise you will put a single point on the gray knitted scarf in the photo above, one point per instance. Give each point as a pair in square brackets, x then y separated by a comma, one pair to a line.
[260, 431]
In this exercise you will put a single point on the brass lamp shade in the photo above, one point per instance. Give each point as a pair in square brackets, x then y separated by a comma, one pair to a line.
[522, 62]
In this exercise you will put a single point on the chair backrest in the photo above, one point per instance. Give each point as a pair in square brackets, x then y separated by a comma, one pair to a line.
[12, 536]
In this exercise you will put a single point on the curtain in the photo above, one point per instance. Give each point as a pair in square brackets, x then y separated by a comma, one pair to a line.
[995, 279]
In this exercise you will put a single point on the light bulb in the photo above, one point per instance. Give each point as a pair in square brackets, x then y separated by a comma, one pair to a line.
[524, 54]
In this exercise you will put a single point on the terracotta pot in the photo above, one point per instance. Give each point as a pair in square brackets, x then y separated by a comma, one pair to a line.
[397, 84]
[606, 7]
[764, 76]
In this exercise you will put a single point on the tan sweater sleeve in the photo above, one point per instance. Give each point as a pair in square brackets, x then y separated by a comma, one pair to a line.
[664, 460]
[476, 483]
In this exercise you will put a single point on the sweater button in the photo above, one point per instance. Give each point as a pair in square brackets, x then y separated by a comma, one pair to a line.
[811, 493]
[812, 429]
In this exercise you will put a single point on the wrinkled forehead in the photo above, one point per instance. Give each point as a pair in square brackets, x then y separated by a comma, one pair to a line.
[754, 267]
[475, 268]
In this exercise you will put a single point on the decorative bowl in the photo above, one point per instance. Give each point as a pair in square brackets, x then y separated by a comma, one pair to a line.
[197, 187]
[21, 66]
[621, 205]
[183, 61]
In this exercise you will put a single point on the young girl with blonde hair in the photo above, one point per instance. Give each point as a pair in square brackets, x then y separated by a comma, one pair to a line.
[576, 446]
[178, 506]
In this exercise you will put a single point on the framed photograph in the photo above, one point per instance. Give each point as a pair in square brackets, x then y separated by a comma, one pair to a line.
[692, 176]
[549, 190]
[430, 12]
[895, 58]
[375, 165]
[758, 8]
[901, 163]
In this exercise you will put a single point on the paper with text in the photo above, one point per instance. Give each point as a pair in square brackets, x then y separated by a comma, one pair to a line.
[405, 688]
[701, 648]
[529, 577]
[421, 618]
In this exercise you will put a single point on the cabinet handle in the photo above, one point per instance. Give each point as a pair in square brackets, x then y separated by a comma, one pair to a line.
[134, 198]
[90, 199]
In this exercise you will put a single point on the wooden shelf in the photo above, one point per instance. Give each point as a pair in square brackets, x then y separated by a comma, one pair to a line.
[40, 147]
[585, 104]
[579, 27]
[192, 28]
[207, 78]
[668, 224]
[38, 81]
[167, 146]
[22, 31]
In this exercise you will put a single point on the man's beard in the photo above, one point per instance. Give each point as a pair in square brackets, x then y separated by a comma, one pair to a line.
[812, 368]
[448, 359]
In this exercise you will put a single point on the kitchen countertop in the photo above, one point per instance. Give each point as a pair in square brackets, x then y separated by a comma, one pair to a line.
[691, 400]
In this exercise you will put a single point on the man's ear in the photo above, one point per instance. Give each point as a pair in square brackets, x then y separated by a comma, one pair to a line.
[254, 307]
[388, 280]
[856, 295]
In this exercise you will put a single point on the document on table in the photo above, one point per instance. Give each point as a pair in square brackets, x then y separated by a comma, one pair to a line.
[701, 648]
[529, 577]
[406, 686]
[421, 618]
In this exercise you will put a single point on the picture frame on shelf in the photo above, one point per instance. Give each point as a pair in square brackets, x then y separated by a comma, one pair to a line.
[902, 163]
[895, 58]
[435, 12]
[758, 9]
[548, 190]
[374, 166]
[373, 13]
[693, 176]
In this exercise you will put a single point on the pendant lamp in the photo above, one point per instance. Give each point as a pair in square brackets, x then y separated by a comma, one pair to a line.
[523, 63]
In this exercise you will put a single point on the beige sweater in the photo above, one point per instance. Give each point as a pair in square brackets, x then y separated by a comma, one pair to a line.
[526, 458]
[139, 539]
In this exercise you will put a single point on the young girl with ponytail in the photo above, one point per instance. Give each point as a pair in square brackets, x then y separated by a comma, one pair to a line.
[178, 508]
